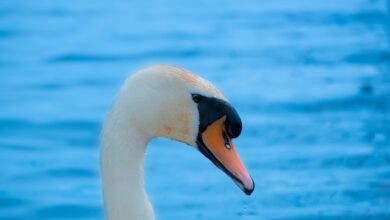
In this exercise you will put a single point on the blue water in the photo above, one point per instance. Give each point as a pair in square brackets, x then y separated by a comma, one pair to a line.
[309, 78]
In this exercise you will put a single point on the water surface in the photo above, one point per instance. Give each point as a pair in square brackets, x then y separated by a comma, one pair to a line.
[309, 78]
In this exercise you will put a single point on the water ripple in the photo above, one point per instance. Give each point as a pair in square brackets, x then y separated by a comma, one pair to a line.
[78, 57]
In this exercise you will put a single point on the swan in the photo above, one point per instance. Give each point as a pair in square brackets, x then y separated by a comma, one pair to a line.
[164, 101]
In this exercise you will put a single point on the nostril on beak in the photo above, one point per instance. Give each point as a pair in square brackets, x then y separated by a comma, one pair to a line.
[226, 140]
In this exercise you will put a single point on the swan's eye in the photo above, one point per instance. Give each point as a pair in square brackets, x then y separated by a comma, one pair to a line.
[196, 97]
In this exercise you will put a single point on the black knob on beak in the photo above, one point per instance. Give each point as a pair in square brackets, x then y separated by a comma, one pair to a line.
[233, 122]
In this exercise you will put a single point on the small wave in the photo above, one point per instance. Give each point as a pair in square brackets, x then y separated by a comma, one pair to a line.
[69, 211]
[357, 102]
[339, 18]
[356, 161]
[82, 57]
[72, 173]
[8, 202]
[370, 57]
[4, 33]
[9, 123]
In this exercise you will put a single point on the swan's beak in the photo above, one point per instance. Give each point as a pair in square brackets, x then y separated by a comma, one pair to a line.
[216, 145]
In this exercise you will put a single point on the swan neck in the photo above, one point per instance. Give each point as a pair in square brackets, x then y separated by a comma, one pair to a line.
[122, 168]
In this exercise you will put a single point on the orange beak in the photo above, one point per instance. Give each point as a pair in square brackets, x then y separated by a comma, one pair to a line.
[220, 150]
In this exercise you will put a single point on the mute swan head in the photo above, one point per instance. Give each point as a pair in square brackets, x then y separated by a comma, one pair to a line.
[172, 102]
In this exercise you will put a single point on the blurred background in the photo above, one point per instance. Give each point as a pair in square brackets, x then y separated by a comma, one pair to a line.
[309, 78]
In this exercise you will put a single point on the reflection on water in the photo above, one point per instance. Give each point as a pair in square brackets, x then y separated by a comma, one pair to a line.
[310, 80]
